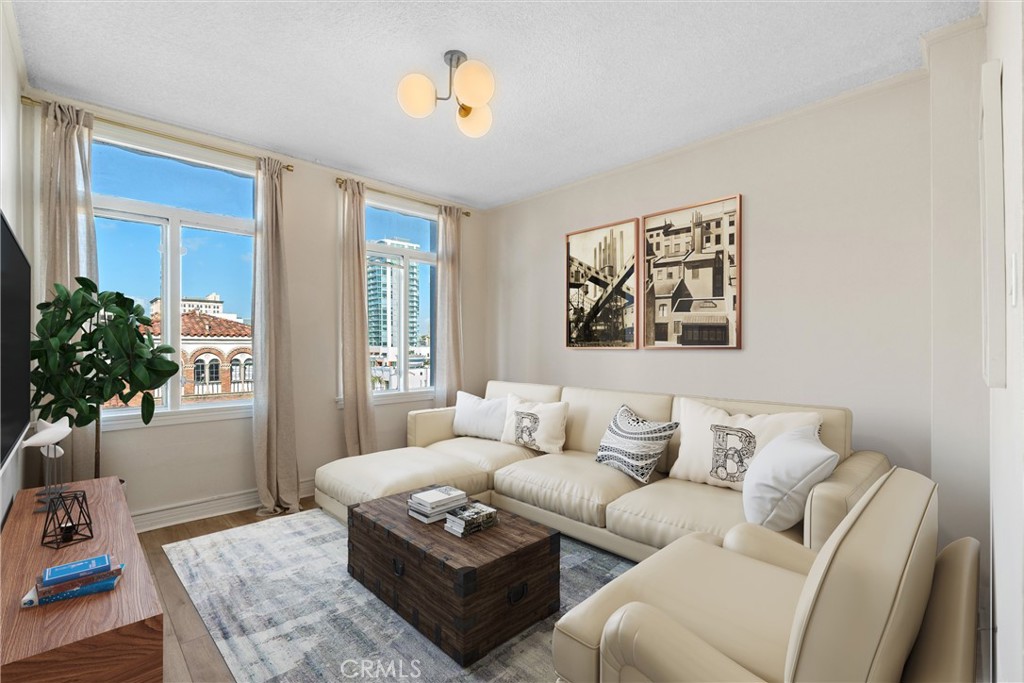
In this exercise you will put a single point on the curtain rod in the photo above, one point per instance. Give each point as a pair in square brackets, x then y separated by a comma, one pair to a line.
[166, 136]
[339, 181]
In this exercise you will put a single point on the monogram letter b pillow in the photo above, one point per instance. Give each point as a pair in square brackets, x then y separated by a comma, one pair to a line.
[716, 448]
[540, 426]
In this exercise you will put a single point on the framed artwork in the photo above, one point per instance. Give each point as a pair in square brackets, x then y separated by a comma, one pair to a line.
[691, 276]
[601, 287]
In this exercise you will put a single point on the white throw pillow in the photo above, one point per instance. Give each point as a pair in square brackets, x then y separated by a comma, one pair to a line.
[717, 448]
[633, 445]
[475, 416]
[782, 475]
[540, 426]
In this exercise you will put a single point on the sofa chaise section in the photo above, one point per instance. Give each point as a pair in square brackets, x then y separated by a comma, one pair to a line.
[348, 481]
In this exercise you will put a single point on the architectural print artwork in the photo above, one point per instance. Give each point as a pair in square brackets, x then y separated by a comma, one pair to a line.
[601, 287]
[691, 276]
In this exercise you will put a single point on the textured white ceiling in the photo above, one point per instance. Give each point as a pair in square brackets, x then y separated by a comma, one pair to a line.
[581, 87]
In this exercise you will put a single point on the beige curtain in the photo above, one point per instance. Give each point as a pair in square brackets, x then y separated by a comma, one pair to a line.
[448, 367]
[68, 235]
[273, 419]
[360, 427]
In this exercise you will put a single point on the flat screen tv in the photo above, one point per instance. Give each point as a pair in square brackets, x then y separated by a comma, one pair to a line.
[15, 335]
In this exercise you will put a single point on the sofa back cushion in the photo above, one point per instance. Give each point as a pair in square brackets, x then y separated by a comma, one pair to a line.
[836, 424]
[865, 597]
[541, 393]
[591, 411]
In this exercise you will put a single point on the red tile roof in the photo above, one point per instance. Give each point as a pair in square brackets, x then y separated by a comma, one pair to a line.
[196, 324]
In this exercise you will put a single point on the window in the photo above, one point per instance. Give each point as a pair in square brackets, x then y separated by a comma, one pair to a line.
[236, 370]
[662, 310]
[401, 271]
[247, 371]
[174, 231]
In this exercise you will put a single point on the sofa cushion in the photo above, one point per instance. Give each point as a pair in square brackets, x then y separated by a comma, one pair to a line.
[544, 393]
[489, 456]
[590, 411]
[571, 484]
[781, 477]
[836, 423]
[365, 477]
[475, 416]
[540, 426]
[703, 587]
[665, 510]
[633, 445]
[717, 448]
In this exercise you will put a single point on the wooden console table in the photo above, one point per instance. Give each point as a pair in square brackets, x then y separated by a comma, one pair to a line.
[114, 636]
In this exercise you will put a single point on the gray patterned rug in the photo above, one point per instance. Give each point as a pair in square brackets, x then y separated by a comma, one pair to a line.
[278, 601]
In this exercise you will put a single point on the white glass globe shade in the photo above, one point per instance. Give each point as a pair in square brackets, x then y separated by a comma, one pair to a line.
[477, 123]
[473, 83]
[417, 95]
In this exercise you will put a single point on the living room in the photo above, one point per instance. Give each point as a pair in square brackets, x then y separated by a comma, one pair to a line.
[873, 157]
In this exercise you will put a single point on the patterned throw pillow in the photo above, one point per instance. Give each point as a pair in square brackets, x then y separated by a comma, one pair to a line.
[717, 448]
[634, 445]
[540, 426]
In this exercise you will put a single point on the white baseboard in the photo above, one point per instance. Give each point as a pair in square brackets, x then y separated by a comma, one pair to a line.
[189, 511]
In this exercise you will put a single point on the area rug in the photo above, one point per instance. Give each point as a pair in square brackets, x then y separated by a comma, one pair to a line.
[278, 601]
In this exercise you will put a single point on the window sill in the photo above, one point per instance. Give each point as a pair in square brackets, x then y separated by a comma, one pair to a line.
[395, 397]
[131, 419]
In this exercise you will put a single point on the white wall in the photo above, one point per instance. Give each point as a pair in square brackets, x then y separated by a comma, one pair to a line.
[835, 268]
[11, 477]
[1005, 32]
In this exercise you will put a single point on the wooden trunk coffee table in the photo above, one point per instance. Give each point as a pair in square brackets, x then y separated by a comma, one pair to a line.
[467, 595]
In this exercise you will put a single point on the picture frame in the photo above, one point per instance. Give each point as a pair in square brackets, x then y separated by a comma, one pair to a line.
[691, 276]
[601, 295]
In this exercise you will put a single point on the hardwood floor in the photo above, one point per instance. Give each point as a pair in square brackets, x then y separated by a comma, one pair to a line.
[189, 652]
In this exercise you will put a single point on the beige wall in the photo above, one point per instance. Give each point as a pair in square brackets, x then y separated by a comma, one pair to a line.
[835, 268]
[1005, 32]
[960, 405]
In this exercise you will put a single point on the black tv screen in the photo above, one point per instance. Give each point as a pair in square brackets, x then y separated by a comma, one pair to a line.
[15, 335]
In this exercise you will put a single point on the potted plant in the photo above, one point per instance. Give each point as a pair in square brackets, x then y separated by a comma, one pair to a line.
[90, 348]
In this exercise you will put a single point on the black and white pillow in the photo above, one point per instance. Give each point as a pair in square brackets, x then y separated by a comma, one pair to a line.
[634, 445]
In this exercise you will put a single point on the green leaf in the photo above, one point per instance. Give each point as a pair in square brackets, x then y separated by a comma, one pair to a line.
[62, 291]
[163, 365]
[140, 372]
[87, 284]
[148, 406]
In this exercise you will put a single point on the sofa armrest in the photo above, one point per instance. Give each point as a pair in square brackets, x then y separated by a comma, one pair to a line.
[640, 638]
[830, 501]
[425, 427]
[754, 541]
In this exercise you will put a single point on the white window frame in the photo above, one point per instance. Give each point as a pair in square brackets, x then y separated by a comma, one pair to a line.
[172, 220]
[406, 257]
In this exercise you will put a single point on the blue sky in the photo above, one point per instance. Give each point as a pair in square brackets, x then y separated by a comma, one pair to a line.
[129, 252]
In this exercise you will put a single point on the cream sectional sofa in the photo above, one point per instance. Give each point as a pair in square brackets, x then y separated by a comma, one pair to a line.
[584, 499]
[874, 604]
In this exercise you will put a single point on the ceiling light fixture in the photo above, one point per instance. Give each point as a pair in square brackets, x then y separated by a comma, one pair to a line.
[470, 82]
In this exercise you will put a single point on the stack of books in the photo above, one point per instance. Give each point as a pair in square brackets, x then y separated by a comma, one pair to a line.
[470, 518]
[73, 580]
[432, 505]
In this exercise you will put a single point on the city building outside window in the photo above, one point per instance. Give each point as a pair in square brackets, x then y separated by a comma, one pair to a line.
[401, 272]
[175, 231]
